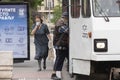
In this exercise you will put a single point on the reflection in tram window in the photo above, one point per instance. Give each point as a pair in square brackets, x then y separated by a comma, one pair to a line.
[86, 8]
[75, 8]
[110, 8]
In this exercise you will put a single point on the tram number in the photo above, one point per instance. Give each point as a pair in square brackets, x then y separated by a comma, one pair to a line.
[84, 31]
[85, 35]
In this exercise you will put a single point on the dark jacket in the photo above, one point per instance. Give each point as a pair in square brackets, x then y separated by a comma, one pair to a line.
[61, 34]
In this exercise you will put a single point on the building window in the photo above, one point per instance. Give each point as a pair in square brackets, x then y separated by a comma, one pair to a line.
[86, 12]
[49, 4]
[75, 8]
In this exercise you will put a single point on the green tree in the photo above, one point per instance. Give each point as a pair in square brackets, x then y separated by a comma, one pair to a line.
[56, 13]
[33, 3]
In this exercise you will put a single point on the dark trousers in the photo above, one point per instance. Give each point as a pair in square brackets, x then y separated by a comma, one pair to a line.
[60, 57]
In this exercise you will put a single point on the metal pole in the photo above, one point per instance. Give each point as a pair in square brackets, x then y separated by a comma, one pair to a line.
[49, 5]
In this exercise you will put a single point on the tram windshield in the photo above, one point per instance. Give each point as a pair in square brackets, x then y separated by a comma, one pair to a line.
[107, 8]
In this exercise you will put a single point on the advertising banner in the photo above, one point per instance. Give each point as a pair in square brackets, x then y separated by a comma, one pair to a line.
[14, 32]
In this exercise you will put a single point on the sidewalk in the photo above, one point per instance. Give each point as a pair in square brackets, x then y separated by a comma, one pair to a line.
[28, 69]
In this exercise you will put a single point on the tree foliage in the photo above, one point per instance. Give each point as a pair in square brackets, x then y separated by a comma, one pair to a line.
[56, 13]
[33, 3]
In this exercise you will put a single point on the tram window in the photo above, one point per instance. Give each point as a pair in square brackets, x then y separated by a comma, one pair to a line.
[75, 8]
[86, 8]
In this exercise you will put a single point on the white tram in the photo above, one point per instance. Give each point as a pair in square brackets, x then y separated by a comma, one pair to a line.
[94, 39]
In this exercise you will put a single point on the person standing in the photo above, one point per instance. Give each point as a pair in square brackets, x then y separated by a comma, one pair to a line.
[61, 44]
[41, 39]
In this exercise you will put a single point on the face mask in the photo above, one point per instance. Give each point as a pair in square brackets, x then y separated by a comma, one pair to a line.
[37, 23]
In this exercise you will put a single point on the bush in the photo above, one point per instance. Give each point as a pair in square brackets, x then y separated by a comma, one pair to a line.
[56, 13]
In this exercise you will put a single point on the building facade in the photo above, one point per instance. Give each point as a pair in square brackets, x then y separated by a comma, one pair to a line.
[46, 9]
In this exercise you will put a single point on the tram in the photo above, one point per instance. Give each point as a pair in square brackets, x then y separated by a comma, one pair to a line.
[94, 44]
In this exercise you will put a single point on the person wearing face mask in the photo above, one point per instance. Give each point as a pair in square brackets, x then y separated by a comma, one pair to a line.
[61, 45]
[41, 39]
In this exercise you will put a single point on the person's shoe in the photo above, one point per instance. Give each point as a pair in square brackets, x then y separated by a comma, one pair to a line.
[39, 69]
[44, 67]
[53, 76]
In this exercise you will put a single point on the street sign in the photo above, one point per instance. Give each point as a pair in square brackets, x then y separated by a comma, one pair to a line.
[14, 31]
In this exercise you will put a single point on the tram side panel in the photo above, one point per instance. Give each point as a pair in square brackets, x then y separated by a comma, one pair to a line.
[80, 46]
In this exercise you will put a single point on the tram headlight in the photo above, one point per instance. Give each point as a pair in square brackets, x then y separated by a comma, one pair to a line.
[100, 45]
